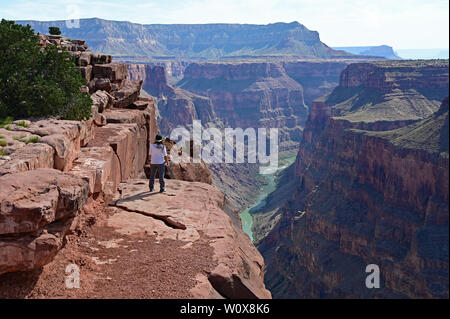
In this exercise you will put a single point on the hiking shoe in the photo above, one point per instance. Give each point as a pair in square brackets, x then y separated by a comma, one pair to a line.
[162, 191]
[151, 190]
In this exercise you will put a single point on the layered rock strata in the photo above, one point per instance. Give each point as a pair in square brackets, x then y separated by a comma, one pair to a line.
[99, 154]
[372, 188]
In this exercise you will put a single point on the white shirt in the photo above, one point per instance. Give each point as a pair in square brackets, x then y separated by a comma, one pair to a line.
[157, 152]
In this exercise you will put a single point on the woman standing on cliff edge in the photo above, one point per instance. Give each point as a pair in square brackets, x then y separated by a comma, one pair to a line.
[158, 160]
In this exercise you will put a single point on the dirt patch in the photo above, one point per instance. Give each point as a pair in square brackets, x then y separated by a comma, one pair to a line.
[114, 265]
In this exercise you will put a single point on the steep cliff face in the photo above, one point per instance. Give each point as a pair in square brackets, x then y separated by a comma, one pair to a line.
[177, 107]
[390, 91]
[316, 77]
[174, 67]
[251, 95]
[372, 189]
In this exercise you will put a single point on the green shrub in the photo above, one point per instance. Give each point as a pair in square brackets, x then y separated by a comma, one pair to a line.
[22, 124]
[54, 31]
[3, 143]
[38, 83]
[5, 121]
[2, 137]
[3, 153]
[19, 138]
[32, 140]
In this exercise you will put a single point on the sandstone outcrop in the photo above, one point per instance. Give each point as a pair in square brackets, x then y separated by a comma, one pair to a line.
[372, 188]
[99, 153]
[190, 172]
[37, 209]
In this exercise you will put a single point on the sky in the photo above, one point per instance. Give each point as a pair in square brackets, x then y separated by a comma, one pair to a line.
[402, 24]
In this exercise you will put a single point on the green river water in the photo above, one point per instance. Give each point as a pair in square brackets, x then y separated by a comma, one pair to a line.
[269, 186]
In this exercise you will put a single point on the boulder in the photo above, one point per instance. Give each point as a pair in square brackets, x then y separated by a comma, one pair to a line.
[128, 94]
[126, 116]
[84, 59]
[103, 100]
[101, 59]
[34, 199]
[65, 150]
[79, 42]
[85, 89]
[112, 71]
[103, 85]
[98, 118]
[86, 72]
[86, 132]
[37, 209]
[190, 172]
[30, 157]
[98, 166]
[142, 103]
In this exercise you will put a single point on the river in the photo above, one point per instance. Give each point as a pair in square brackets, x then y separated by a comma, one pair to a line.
[269, 186]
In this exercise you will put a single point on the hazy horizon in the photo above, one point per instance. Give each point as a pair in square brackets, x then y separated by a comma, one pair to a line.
[403, 24]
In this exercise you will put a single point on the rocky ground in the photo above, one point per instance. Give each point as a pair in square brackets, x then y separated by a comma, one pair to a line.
[114, 264]
[180, 244]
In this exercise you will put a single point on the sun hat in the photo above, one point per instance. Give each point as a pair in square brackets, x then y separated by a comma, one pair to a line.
[158, 139]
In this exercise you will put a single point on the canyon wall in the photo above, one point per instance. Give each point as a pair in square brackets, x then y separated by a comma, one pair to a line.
[251, 95]
[316, 77]
[195, 41]
[372, 188]
[245, 94]
[176, 107]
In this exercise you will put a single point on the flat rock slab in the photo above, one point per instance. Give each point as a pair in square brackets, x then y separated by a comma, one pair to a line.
[65, 137]
[37, 209]
[127, 116]
[34, 199]
[30, 157]
[189, 212]
[98, 166]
